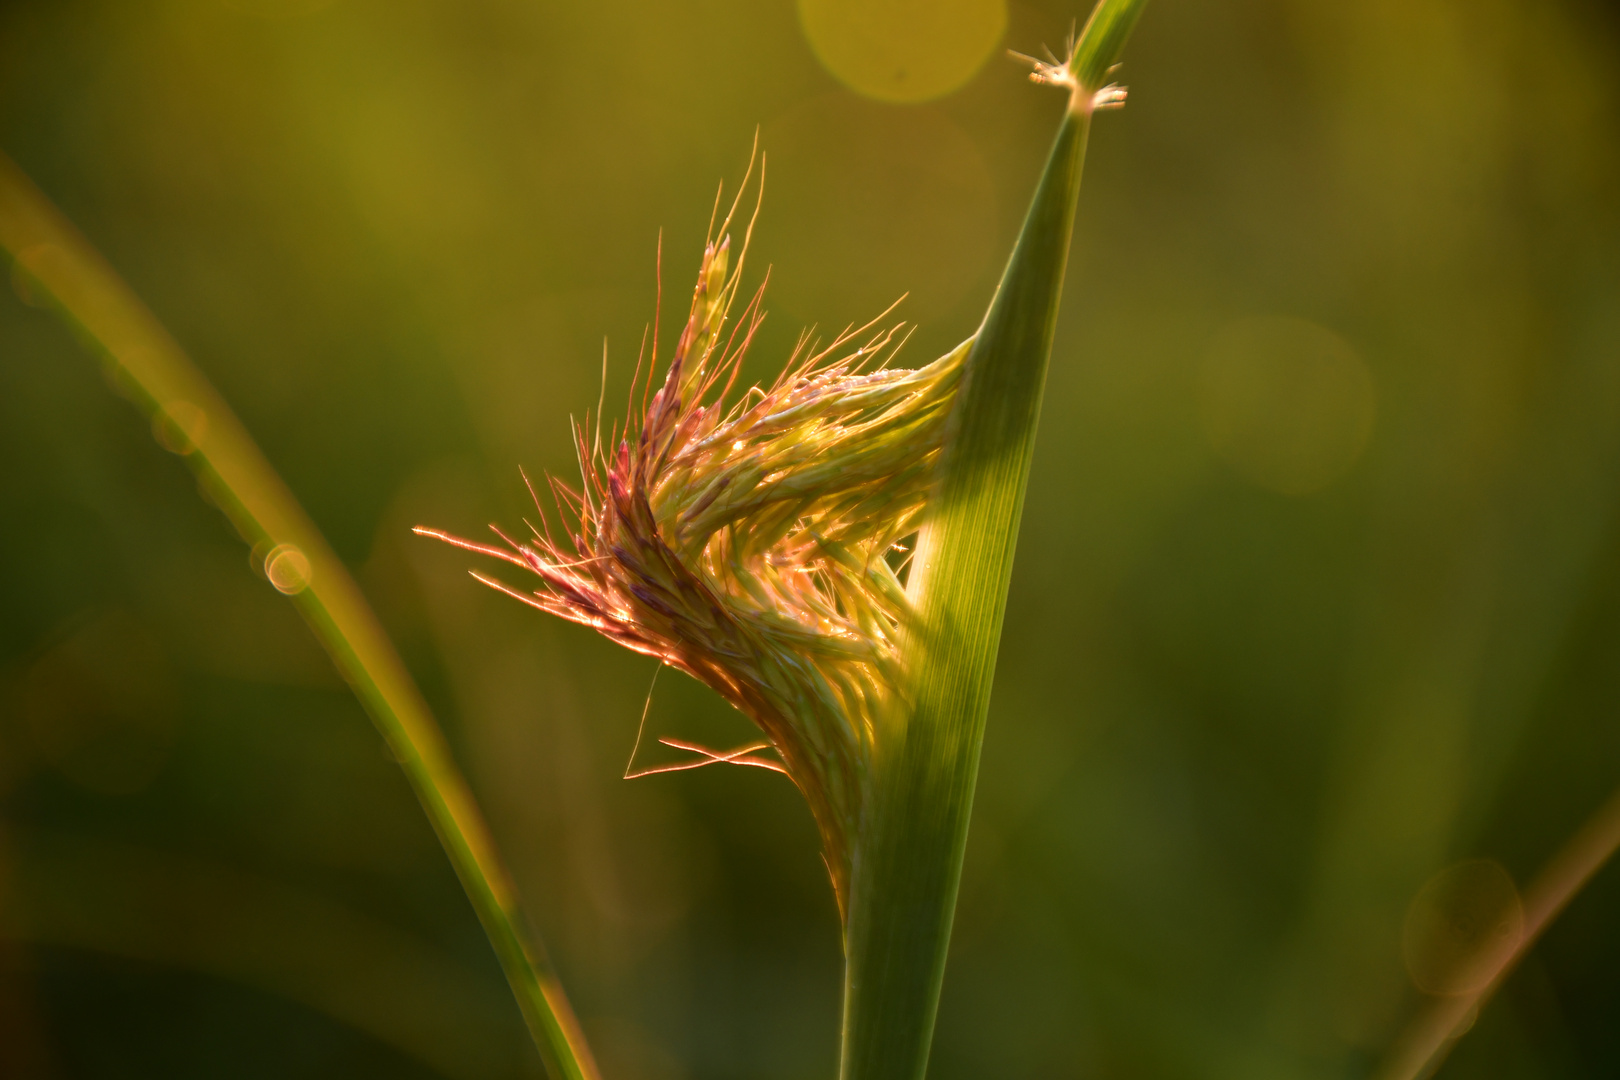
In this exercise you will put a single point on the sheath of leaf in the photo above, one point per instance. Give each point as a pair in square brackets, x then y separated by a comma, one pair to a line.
[748, 542]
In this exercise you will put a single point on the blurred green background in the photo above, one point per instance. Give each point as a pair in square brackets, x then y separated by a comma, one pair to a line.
[1318, 591]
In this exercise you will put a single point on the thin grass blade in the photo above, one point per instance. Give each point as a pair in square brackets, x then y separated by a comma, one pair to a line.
[908, 862]
[149, 365]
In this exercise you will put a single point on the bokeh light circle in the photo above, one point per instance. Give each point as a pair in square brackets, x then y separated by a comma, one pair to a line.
[101, 705]
[1285, 402]
[180, 427]
[1463, 925]
[288, 569]
[903, 50]
[865, 204]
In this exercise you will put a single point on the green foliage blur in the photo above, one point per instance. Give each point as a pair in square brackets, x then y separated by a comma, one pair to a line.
[1318, 592]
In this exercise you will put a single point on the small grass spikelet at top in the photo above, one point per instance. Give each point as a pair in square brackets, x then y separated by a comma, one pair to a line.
[748, 542]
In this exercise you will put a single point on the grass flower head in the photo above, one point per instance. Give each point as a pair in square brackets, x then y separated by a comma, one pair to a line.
[750, 540]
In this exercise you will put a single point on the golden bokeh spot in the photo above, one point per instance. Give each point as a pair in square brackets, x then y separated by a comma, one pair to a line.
[276, 9]
[180, 427]
[101, 705]
[288, 568]
[1285, 402]
[903, 50]
[1462, 927]
[24, 281]
[867, 203]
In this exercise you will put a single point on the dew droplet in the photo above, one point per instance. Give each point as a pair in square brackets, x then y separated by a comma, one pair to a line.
[288, 568]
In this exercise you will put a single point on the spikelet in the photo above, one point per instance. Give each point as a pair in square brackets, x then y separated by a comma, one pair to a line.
[749, 544]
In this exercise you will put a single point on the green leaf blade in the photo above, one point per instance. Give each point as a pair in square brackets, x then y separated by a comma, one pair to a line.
[908, 861]
[1102, 42]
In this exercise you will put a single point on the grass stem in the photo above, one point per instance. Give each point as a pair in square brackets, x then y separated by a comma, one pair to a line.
[150, 366]
[1424, 1045]
[907, 865]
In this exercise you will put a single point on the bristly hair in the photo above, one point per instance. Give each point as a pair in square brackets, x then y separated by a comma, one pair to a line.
[749, 544]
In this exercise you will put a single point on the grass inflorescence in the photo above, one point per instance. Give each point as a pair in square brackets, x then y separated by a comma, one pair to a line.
[750, 540]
